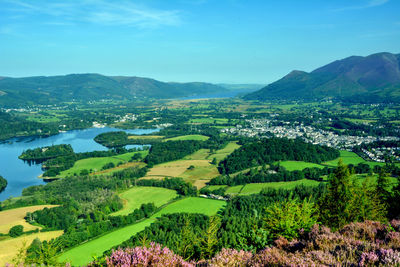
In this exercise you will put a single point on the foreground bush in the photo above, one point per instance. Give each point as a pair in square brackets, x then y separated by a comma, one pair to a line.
[357, 244]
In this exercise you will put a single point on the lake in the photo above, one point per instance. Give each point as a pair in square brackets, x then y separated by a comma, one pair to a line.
[20, 174]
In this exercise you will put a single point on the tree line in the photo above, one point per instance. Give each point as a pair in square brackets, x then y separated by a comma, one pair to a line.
[270, 150]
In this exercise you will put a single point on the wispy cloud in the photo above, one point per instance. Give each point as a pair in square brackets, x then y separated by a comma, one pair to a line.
[111, 13]
[366, 4]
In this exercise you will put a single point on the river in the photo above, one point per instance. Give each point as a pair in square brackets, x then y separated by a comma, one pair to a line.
[20, 174]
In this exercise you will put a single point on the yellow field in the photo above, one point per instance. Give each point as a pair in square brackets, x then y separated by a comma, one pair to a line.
[10, 218]
[202, 172]
[9, 247]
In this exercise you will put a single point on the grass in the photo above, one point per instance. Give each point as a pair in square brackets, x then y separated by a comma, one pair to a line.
[96, 163]
[215, 187]
[350, 158]
[224, 152]
[9, 247]
[257, 187]
[84, 253]
[133, 198]
[209, 120]
[145, 137]
[196, 137]
[298, 165]
[10, 218]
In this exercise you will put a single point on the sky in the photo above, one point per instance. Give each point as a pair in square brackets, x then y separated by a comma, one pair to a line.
[218, 41]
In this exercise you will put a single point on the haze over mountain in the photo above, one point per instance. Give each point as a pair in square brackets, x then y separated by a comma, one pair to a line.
[373, 78]
[86, 87]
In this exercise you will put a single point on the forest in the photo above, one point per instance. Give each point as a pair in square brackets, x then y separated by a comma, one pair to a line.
[269, 150]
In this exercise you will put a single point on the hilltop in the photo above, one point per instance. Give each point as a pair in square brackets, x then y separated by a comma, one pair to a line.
[374, 78]
[89, 87]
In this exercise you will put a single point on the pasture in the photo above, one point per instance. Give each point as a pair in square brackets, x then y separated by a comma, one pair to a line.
[84, 253]
[9, 247]
[257, 187]
[291, 165]
[95, 164]
[10, 218]
[133, 198]
[196, 137]
[350, 158]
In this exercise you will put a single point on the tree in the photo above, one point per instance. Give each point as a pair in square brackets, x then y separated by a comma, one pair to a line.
[288, 217]
[335, 205]
[16, 231]
[210, 240]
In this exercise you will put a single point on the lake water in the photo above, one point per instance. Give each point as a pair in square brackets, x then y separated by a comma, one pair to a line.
[20, 174]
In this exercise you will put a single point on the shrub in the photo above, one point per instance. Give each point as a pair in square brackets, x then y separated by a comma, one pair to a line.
[16, 231]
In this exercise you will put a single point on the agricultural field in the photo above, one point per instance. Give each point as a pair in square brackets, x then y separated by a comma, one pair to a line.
[257, 187]
[298, 165]
[193, 205]
[10, 218]
[145, 137]
[202, 170]
[84, 253]
[209, 121]
[9, 247]
[196, 137]
[350, 158]
[95, 164]
[133, 198]
[222, 153]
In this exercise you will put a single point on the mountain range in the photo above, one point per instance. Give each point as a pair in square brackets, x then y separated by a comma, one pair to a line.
[87, 87]
[374, 78]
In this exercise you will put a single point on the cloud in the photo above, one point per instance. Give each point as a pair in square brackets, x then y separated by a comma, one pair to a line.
[110, 13]
[367, 4]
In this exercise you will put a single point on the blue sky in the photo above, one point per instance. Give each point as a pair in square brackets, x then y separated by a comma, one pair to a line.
[234, 41]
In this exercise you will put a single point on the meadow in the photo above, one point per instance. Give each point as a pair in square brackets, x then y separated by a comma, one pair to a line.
[196, 137]
[350, 158]
[9, 247]
[84, 253]
[12, 217]
[95, 164]
[257, 187]
[202, 170]
[291, 165]
[133, 198]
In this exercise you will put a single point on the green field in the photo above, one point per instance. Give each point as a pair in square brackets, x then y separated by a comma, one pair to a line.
[209, 120]
[83, 254]
[350, 158]
[95, 164]
[133, 198]
[215, 187]
[298, 165]
[193, 205]
[257, 187]
[222, 153]
[196, 137]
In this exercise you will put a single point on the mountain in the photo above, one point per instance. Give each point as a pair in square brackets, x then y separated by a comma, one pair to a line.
[86, 87]
[373, 78]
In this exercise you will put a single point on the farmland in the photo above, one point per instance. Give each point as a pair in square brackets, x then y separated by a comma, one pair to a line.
[298, 165]
[257, 187]
[133, 198]
[84, 253]
[9, 218]
[96, 164]
[9, 247]
[188, 137]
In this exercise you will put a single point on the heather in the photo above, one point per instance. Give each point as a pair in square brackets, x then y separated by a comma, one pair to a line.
[368, 243]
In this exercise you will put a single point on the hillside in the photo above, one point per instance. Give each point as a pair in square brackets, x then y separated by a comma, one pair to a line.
[368, 79]
[86, 87]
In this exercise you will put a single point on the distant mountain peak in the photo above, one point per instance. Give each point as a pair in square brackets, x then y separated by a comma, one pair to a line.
[374, 77]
